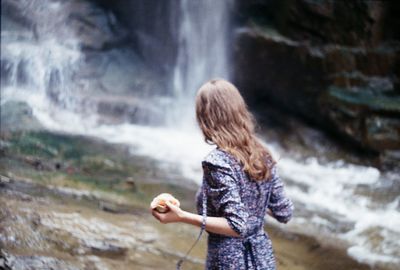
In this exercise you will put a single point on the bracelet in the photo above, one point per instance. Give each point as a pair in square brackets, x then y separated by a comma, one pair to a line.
[203, 222]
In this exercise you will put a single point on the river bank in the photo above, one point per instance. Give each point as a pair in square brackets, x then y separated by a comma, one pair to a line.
[68, 228]
[63, 206]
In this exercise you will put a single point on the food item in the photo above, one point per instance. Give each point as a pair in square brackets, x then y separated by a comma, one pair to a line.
[159, 202]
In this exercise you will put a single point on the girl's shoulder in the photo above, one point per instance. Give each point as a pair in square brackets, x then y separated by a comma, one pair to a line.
[219, 158]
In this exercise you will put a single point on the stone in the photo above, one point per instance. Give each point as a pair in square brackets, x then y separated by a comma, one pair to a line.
[3, 261]
[390, 160]
[17, 116]
[38, 262]
[109, 251]
[112, 207]
[383, 132]
[132, 110]
[374, 121]
[4, 180]
[130, 183]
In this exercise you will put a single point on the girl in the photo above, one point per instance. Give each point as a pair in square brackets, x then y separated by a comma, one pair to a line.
[240, 184]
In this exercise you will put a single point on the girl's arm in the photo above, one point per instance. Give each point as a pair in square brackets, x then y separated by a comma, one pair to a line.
[280, 206]
[218, 225]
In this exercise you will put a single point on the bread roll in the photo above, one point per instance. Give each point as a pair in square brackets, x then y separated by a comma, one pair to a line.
[159, 202]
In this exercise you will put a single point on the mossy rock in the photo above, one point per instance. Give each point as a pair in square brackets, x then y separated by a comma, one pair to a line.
[366, 100]
[16, 116]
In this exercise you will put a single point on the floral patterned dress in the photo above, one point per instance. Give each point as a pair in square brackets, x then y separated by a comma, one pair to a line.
[242, 201]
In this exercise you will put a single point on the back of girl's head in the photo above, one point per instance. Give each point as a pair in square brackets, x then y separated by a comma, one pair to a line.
[224, 119]
[220, 107]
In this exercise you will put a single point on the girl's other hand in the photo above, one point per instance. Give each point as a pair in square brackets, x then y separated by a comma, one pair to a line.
[175, 214]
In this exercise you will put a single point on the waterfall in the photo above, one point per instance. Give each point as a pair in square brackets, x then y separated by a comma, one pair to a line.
[39, 63]
[43, 69]
[203, 52]
[47, 60]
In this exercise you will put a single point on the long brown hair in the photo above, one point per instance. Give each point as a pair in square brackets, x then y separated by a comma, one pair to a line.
[224, 119]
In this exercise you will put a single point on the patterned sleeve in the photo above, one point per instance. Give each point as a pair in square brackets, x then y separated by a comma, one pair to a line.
[223, 191]
[280, 205]
[199, 198]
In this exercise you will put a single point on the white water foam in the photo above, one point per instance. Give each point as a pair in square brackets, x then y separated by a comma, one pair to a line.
[331, 189]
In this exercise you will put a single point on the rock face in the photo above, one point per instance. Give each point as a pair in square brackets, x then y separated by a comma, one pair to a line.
[152, 29]
[334, 63]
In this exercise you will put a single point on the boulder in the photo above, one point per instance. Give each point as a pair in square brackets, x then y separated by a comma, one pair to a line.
[18, 115]
[129, 110]
[373, 120]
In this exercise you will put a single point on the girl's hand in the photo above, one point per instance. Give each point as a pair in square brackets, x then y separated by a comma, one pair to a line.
[175, 214]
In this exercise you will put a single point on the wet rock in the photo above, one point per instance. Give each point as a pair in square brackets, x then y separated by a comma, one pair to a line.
[35, 162]
[38, 262]
[74, 193]
[148, 238]
[89, 236]
[109, 207]
[6, 72]
[18, 115]
[39, 164]
[57, 166]
[371, 119]
[54, 86]
[130, 110]
[11, 17]
[391, 159]
[22, 73]
[383, 132]
[109, 251]
[130, 183]
[14, 73]
[115, 208]
[4, 265]
[4, 180]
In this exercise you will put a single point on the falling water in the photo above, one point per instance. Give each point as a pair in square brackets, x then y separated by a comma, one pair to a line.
[202, 53]
[38, 66]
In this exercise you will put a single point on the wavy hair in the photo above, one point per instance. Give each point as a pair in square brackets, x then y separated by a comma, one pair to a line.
[225, 121]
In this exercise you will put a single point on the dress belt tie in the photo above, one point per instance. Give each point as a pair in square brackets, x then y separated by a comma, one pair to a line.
[248, 251]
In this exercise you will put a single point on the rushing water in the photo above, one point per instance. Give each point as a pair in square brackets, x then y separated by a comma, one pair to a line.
[202, 52]
[356, 206]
